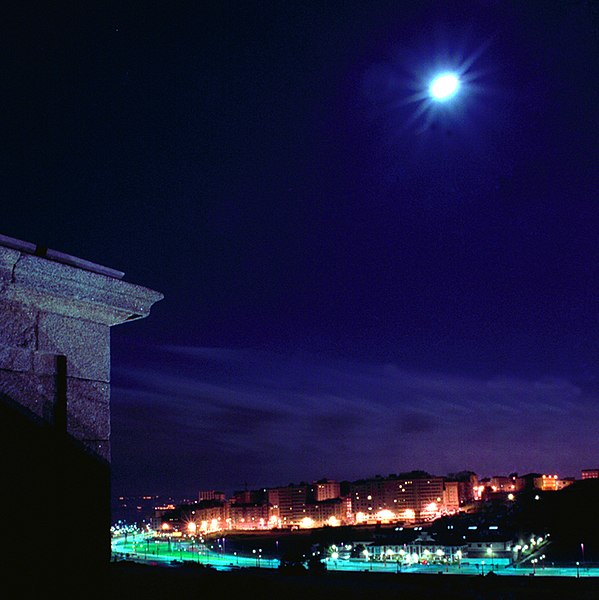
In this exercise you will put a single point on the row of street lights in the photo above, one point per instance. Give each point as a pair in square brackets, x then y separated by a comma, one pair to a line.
[404, 557]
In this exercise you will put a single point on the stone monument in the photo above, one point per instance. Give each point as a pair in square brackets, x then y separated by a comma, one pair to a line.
[56, 312]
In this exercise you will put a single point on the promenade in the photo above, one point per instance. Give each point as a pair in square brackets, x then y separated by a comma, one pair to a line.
[143, 548]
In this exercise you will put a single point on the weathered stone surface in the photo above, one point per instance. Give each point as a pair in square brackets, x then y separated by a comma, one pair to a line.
[88, 409]
[44, 363]
[8, 259]
[88, 402]
[85, 344]
[62, 289]
[63, 306]
[34, 392]
[15, 359]
[17, 325]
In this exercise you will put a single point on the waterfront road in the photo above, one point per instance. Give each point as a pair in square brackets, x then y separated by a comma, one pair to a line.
[148, 549]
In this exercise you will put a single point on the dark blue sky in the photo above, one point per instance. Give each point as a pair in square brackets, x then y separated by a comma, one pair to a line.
[356, 281]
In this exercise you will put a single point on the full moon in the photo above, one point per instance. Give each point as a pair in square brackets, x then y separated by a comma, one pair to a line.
[444, 86]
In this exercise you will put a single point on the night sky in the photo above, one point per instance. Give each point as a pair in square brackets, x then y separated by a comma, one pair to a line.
[357, 280]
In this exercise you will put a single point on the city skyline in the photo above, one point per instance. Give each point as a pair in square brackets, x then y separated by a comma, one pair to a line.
[360, 272]
[482, 479]
[409, 498]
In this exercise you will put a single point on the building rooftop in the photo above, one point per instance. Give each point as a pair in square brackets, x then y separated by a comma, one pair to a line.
[58, 283]
[60, 257]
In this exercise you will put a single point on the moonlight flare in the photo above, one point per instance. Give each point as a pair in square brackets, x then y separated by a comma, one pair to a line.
[444, 86]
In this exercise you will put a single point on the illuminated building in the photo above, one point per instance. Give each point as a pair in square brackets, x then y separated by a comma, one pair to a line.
[371, 495]
[525, 482]
[501, 486]
[496, 548]
[292, 501]
[249, 516]
[162, 517]
[254, 509]
[467, 484]
[289, 506]
[211, 495]
[333, 512]
[271, 497]
[501, 483]
[408, 498]
[207, 516]
[546, 483]
[519, 483]
[486, 545]
[565, 482]
[451, 496]
[325, 489]
[590, 474]
[551, 483]
[409, 547]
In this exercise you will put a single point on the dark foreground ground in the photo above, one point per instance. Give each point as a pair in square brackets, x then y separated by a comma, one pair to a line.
[131, 581]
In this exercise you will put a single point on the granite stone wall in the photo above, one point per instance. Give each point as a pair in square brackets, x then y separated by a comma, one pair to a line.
[49, 309]
[55, 421]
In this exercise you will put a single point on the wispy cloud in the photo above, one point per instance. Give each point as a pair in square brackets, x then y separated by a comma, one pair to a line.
[218, 416]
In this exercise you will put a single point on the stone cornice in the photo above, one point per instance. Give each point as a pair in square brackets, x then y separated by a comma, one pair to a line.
[68, 290]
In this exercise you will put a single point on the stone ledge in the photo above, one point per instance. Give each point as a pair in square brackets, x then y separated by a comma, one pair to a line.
[56, 304]
[62, 289]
